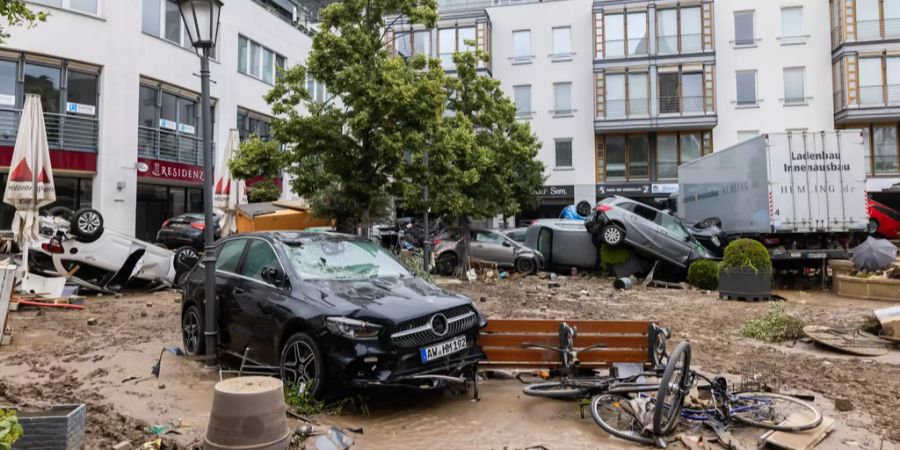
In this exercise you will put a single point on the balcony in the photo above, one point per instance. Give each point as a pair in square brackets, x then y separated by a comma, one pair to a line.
[874, 103]
[672, 113]
[673, 45]
[169, 145]
[64, 132]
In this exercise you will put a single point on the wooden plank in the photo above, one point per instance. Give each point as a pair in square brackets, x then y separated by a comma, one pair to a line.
[804, 440]
[510, 355]
[552, 326]
[581, 341]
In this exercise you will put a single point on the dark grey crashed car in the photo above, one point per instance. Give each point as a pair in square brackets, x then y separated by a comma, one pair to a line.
[617, 220]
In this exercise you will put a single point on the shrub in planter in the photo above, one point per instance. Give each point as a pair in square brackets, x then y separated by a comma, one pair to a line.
[10, 429]
[613, 256]
[746, 271]
[704, 274]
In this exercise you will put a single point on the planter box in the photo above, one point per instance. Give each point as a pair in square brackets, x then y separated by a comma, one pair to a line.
[867, 288]
[840, 267]
[59, 428]
[745, 284]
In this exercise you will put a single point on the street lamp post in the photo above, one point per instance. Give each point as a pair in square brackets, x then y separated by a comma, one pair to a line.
[201, 18]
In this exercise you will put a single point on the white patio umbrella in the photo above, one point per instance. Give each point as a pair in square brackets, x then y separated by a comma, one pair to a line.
[229, 192]
[30, 184]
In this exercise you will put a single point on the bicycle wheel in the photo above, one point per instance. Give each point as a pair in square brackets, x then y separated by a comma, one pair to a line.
[556, 389]
[615, 415]
[672, 389]
[774, 411]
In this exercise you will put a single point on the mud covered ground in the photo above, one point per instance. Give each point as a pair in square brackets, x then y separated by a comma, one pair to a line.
[56, 357]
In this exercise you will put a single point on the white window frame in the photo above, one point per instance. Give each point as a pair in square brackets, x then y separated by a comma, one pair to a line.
[755, 89]
[800, 101]
[564, 112]
[67, 5]
[556, 142]
[564, 56]
[260, 59]
[800, 37]
[523, 114]
[521, 59]
[182, 34]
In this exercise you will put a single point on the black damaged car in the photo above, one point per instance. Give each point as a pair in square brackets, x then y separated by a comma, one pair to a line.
[332, 309]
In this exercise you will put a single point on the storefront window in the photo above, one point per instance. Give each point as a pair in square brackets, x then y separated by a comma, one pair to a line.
[691, 147]
[147, 108]
[638, 157]
[667, 156]
[82, 93]
[72, 193]
[886, 150]
[44, 81]
[615, 157]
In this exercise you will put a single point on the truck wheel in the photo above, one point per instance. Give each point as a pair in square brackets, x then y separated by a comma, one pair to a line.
[612, 235]
[87, 224]
[872, 228]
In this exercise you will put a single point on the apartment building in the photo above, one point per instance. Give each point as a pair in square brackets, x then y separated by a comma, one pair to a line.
[120, 93]
[865, 56]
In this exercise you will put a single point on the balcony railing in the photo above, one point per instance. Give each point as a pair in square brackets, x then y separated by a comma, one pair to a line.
[873, 30]
[670, 105]
[621, 109]
[836, 37]
[68, 132]
[168, 145]
[669, 45]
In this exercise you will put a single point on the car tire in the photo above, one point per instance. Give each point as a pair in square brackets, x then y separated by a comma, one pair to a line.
[446, 263]
[296, 367]
[583, 208]
[612, 235]
[61, 212]
[526, 265]
[186, 258]
[87, 225]
[708, 222]
[192, 334]
[872, 227]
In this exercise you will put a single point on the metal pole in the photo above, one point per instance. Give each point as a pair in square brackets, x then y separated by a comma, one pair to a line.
[209, 256]
[426, 245]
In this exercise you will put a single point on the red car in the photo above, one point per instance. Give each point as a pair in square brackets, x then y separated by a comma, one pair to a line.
[883, 220]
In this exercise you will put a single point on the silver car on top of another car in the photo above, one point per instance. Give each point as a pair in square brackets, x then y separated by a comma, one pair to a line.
[484, 245]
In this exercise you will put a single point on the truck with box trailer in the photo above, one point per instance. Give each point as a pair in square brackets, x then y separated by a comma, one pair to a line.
[803, 195]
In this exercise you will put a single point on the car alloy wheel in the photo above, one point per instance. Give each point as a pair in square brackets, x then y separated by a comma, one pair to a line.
[612, 235]
[299, 364]
[191, 331]
[872, 227]
[525, 265]
[89, 222]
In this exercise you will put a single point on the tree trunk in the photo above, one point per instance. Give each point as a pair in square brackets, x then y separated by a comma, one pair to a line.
[464, 246]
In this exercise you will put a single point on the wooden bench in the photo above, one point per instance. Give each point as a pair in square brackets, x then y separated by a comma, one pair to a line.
[503, 342]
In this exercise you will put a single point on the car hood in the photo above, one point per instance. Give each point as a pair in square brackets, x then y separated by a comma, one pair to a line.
[385, 300]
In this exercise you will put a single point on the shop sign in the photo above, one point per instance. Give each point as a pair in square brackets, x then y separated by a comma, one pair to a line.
[625, 189]
[168, 170]
[558, 191]
[79, 108]
[185, 128]
[665, 188]
[7, 100]
[167, 124]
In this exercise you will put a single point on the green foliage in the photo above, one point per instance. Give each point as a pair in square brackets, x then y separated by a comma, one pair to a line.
[704, 274]
[264, 191]
[871, 325]
[347, 153]
[257, 158]
[10, 429]
[746, 254]
[16, 14]
[613, 256]
[297, 397]
[776, 326]
[416, 264]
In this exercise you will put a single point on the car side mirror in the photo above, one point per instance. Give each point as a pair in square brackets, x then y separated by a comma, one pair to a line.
[272, 276]
[507, 244]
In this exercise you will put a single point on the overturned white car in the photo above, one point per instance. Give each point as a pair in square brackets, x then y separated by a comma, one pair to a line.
[75, 245]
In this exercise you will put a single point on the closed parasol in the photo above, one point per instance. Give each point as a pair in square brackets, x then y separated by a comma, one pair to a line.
[229, 192]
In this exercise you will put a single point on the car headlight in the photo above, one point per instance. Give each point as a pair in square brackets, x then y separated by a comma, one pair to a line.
[352, 328]
[715, 240]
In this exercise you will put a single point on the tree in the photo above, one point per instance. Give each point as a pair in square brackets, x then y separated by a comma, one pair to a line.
[481, 161]
[347, 153]
[17, 14]
[258, 158]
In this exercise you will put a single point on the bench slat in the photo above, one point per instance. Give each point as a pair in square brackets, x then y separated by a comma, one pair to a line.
[543, 357]
[581, 341]
[544, 365]
[552, 326]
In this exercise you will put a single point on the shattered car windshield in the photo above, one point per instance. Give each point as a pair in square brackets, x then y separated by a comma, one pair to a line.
[342, 260]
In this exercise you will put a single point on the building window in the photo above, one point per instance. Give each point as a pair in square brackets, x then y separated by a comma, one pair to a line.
[522, 95]
[691, 34]
[692, 92]
[794, 91]
[562, 41]
[627, 95]
[746, 87]
[637, 34]
[81, 93]
[743, 28]
[563, 152]
[867, 20]
[891, 18]
[667, 31]
[614, 35]
[615, 95]
[746, 135]
[162, 18]
[562, 99]
[521, 45]
[871, 85]
[792, 22]
[168, 125]
[8, 80]
[257, 61]
[638, 94]
[316, 90]
[465, 36]
[615, 158]
[446, 46]
[638, 157]
[668, 92]
[666, 156]
[422, 43]
[403, 42]
[86, 6]
[44, 81]
[892, 71]
[886, 150]
[251, 123]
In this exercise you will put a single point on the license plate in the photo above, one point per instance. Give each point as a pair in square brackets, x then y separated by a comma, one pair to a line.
[442, 349]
